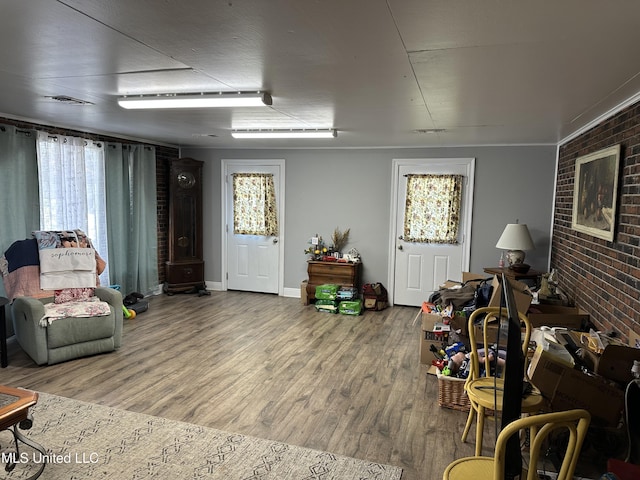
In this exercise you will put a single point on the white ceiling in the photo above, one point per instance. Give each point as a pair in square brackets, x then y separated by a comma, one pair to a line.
[485, 72]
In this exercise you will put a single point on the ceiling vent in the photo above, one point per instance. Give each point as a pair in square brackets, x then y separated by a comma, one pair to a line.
[430, 130]
[67, 100]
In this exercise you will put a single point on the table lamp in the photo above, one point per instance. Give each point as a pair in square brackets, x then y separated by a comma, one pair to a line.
[515, 239]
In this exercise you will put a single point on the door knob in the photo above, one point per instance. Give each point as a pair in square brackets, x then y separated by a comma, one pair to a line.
[400, 247]
[275, 240]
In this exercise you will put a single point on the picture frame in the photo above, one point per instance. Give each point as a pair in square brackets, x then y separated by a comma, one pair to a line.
[596, 192]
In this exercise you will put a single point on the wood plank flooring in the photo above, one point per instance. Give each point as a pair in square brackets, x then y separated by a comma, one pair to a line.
[270, 367]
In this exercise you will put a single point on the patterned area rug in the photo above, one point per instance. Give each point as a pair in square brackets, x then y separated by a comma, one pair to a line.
[88, 441]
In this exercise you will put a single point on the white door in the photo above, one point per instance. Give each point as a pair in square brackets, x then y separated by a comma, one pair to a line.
[419, 268]
[253, 262]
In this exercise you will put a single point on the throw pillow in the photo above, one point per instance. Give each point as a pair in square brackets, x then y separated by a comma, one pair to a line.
[73, 295]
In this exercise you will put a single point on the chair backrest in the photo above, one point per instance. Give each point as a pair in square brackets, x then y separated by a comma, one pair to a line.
[491, 316]
[574, 422]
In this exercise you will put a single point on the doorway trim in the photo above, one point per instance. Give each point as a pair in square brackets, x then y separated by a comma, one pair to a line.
[225, 185]
[467, 204]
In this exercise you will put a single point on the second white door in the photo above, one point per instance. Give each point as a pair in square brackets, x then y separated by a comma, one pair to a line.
[253, 262]
[419, 268]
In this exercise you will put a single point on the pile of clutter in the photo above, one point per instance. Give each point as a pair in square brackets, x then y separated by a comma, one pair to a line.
[454, 360]
[452, 357]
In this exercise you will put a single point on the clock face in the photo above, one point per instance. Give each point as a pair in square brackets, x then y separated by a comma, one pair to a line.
[186, 180]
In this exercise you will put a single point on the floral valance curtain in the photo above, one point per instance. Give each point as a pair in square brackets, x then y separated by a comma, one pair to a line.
[254, 204]
[432, 211]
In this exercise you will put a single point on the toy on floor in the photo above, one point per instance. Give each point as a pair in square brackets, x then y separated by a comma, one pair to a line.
[134, 304]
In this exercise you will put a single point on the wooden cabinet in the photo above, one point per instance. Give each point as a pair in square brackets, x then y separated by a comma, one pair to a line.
[185, 266]
[343, 274]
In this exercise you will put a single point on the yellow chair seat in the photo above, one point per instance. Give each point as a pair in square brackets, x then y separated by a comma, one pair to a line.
[573, 424]
[481, 391]
[473, 468]
[470, 468]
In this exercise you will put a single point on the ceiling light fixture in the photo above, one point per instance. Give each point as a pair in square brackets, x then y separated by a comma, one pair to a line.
[286, 133]
[196, 100]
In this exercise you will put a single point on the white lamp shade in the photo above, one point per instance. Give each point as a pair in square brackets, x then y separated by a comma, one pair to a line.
[516, 236]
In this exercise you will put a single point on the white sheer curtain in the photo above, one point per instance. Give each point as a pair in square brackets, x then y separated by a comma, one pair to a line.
[72, 189]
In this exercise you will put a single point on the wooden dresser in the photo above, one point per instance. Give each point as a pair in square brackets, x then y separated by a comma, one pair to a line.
[343, 274]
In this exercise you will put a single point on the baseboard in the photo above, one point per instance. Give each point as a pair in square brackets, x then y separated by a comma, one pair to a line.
[287, 292]
[215, 286]
[291, 292]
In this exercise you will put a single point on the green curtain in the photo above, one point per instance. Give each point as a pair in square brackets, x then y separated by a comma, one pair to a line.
[132, 217]
[19, 198]
[20, 212]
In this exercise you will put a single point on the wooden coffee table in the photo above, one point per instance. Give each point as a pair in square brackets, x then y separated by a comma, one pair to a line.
[14, 414]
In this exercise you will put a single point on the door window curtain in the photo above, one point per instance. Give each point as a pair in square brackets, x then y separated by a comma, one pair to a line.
[254, 204]
[432, 209]
[72, 189]
[132, 216]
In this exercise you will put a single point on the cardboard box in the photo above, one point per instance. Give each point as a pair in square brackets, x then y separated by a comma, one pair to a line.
[520, 292]
[431, 333]
[466, 277]
[492, 332]
[613, 362]
[557, 316]
[429, 321]
[616, 362]
[459, 322]
[567, 388]
[303, 293]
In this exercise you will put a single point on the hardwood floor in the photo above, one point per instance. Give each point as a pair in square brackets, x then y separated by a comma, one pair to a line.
[270, 367]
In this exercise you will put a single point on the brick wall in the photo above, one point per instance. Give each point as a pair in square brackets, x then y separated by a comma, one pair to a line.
[164, 155]
[602, 277]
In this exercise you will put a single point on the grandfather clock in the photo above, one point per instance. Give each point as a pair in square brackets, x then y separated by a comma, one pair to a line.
[185, 267]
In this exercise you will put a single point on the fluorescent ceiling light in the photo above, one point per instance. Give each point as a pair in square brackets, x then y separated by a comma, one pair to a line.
[291, 133]
[197, 100]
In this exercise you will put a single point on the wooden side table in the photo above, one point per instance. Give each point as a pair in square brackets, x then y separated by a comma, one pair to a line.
[14, 414]
[531, 274]
[340, 273]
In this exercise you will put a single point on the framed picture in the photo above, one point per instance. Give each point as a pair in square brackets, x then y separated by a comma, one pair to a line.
[596, 192]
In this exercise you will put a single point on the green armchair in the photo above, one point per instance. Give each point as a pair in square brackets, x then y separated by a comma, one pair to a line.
[67, 338]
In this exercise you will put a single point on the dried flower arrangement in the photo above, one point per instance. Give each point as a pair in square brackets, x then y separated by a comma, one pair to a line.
[340, 239]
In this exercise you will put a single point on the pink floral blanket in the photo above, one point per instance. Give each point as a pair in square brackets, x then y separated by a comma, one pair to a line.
[92, 307]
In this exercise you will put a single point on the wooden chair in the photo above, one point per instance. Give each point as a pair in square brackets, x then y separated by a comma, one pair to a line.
[485, 391]
[575, 422]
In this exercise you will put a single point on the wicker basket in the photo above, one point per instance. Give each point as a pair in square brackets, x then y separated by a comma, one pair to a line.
[451, 393]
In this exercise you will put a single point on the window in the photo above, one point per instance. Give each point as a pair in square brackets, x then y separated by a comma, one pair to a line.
[72, 188]
[254, 204]
[432, 210]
